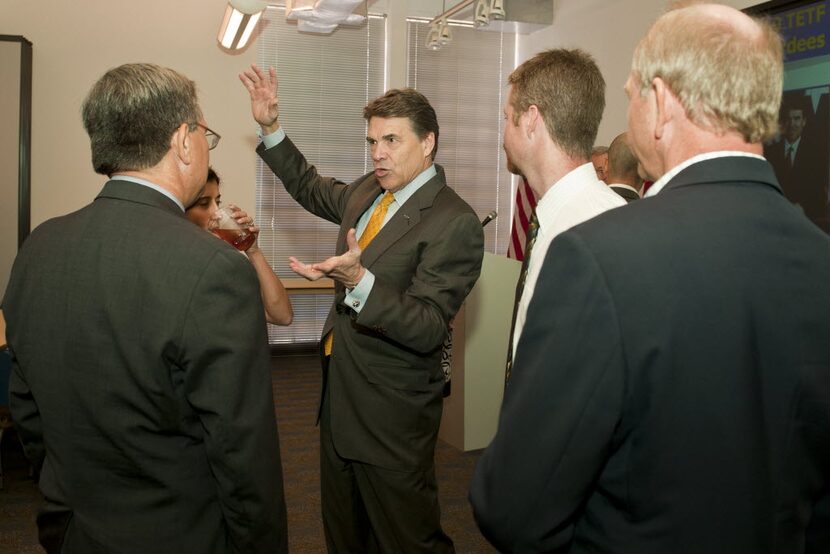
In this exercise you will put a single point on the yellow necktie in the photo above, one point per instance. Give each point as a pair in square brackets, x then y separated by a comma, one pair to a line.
[369, 233]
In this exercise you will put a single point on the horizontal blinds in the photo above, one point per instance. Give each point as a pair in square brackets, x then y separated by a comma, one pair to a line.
[324, 83]
[466, 83]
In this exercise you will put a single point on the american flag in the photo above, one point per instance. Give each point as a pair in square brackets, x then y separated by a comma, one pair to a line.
[525, 202]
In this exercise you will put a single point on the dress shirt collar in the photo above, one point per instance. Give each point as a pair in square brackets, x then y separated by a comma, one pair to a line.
[669, 175]
[412, 187]
[563, 189]
[153, 186]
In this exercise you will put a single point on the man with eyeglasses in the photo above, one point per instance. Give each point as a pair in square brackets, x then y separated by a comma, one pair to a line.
[141, 384]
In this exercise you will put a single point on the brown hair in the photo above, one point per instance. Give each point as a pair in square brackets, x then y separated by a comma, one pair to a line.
[568, 89]
[408, 103]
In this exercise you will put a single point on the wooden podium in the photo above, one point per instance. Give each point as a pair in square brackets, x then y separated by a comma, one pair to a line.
[479, 353]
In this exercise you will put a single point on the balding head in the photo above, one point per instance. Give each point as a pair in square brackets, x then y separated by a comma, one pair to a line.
[622, 163]
[725, 68]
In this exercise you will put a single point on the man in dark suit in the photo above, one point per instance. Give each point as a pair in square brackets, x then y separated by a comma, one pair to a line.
[141, 382]
[623, 177]
[408, 252]
[800, 159]
[672, 383]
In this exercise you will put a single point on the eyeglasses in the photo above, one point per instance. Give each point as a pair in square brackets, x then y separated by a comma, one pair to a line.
[211, 136]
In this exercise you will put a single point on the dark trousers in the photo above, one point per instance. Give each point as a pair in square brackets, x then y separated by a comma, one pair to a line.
[368, 509]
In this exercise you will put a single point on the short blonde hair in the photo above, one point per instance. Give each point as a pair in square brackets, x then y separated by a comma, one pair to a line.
[725, 79]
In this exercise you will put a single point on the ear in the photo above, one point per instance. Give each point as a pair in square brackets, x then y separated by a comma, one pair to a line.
[428, 143]
[181, 143]
[666, 106]
[533, 118]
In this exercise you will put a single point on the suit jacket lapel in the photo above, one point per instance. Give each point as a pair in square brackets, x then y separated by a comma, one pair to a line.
[405, 219]
[363, 198]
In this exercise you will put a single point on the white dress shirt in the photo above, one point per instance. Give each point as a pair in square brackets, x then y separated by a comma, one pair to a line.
[573, 199]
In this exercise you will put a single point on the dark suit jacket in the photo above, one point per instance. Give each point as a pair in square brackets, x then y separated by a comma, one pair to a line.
[628, 194]
[671, 391]
[384, 377]
[805, 181]
[142, 382]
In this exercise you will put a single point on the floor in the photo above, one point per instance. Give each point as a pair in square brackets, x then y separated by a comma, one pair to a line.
[296, 381]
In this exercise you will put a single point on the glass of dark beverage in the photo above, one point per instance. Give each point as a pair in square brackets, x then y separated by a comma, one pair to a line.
[226, 228]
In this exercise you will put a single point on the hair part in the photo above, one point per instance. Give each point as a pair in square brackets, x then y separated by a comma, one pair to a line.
[131, 113]
[408, 103]
[727, 78]
[569, 91]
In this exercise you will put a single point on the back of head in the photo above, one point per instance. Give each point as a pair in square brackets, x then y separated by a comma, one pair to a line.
[131, 113]
[408, 103]
[568, 89]
[725, 67]
[599, 150]
[622, 163]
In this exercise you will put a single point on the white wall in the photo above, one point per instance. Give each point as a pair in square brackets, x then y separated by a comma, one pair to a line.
[76, 42]
[609, 30]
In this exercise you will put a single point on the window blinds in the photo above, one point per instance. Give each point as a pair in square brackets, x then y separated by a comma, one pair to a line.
[324, 83]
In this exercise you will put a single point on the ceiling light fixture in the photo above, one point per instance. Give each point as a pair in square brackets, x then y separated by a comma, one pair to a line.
[434, 37]
[241, 18]
[497, 10]
[482, 13]
[323, 16]
[445, 35]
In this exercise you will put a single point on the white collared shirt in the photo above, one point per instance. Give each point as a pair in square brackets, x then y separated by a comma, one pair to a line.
[670, 174]
[573, 199]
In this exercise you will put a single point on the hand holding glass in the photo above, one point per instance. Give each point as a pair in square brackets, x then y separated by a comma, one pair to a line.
[226, 228]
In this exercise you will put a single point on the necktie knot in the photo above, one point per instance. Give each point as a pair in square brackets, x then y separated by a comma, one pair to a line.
[387, 199]
[376, 220]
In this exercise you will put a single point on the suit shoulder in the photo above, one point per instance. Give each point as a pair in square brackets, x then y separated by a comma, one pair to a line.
[450, 200]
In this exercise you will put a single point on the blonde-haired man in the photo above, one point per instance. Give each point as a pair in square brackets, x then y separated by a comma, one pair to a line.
[672, 385]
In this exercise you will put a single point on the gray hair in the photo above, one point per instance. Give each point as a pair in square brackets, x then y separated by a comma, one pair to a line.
[131, 113]
[726, 78]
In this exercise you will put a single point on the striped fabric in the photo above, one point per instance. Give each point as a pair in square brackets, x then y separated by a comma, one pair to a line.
[525, 202]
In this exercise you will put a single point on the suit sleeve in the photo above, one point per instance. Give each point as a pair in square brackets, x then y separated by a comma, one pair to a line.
[560, 409]
[449, 266]
[27, 419]
[228, 384]
[323, 196]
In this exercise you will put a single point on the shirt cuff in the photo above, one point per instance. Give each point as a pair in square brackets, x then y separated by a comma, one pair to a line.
[356, 298]
[269, 141]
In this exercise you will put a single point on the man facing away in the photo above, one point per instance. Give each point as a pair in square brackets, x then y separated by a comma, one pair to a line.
[408, 253]
[552, 114]
[623, 176]
[141, 382]
[672, 384]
